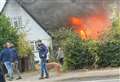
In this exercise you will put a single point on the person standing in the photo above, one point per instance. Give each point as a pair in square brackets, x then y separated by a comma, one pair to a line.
[60, 56]
[42, 49]
[15, 62]
[6, 58]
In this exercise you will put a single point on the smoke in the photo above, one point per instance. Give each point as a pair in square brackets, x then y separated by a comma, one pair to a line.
[53, 14]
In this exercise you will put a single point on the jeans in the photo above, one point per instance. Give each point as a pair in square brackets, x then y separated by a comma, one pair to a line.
[9, 68]
[43, 68]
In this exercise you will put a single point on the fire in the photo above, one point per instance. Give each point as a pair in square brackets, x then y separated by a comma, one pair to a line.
[83, 34]
[90, 27]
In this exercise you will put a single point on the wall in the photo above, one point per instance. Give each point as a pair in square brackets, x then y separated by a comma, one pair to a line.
[34, 31]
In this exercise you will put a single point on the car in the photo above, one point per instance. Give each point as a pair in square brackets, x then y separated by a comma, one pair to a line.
[2, 77]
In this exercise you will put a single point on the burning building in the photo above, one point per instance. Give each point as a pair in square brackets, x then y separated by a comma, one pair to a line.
[92, 26]
[88, 18]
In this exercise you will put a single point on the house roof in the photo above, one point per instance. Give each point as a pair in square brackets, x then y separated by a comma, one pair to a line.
[2, 4]
[53, 14]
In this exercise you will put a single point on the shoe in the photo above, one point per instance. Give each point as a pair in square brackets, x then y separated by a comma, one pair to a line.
[19, 78]
[7, 76]
[41, 78]
[47, 77]
[10, 79]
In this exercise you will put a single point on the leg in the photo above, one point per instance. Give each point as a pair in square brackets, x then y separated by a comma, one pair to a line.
[17, 70]
[9, 69]
[42, 70]
[13, 66]
[46, 71]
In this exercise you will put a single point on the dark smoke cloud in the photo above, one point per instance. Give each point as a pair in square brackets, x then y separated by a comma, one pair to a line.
[53, 14]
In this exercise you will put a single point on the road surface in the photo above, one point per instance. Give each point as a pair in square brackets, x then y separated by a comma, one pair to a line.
[94, 79]
[107, 75]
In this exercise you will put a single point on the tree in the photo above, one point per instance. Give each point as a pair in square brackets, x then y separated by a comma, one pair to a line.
[24, 47]
[7, 31]
[14, 35]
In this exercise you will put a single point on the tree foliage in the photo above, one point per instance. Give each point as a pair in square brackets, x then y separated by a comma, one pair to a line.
[12, 34]
[7, 31]
[24, 47]
[110, 49]
[79, 53]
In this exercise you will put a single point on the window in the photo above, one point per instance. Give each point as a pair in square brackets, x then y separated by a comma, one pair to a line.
[32, 45]
[17, 21]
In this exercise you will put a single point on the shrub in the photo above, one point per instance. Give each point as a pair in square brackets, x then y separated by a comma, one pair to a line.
[110, 54]
[110, 49]
[79, 53]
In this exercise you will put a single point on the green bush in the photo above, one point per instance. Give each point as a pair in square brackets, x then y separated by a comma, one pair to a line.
[23, 46]
[79, 53]
[109, 54]
[89, 53]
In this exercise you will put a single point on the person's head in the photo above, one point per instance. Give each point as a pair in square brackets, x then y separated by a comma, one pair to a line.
[39, 42]
[11, 45]
[7, 45]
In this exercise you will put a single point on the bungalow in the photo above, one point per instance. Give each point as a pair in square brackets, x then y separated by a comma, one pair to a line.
[20, 18]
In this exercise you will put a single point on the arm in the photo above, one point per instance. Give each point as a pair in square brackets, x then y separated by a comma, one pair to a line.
[16, 53]
[45, 52]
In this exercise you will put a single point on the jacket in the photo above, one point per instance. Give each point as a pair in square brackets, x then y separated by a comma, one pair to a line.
[6, 55]
[14, 54]
[42, 49]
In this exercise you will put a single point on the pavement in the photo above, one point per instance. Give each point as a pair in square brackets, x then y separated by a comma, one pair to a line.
[101, 75]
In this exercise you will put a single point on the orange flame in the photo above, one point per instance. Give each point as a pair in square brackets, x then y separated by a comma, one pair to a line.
[90, 27]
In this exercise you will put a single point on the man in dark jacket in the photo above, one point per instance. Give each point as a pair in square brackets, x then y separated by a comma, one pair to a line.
[43, 56]
[6, 58]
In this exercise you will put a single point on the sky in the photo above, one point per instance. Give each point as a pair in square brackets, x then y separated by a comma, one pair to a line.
[2, 2]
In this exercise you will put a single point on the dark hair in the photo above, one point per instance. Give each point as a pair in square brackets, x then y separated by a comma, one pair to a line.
[12, 45]
[39, 40]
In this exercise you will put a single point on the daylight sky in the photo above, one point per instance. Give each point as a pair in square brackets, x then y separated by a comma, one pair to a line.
[2, 2]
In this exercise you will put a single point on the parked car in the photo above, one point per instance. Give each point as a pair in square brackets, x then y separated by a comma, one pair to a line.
[2, 78]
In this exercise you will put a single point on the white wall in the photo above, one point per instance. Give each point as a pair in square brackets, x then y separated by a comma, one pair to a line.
[34, 31]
